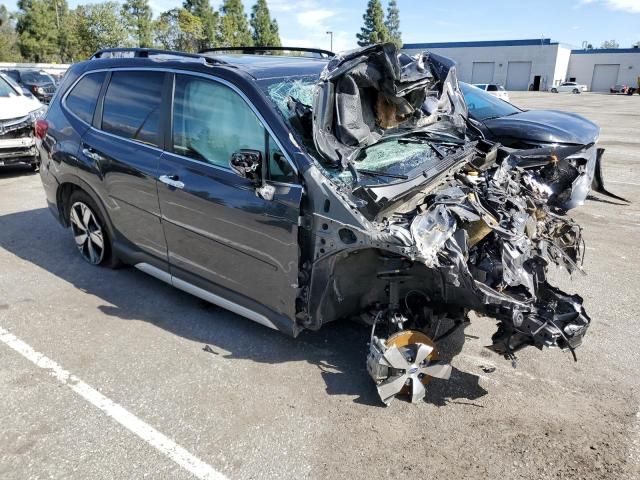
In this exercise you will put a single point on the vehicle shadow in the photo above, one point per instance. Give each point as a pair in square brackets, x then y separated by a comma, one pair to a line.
[11, 171]
[338, 350]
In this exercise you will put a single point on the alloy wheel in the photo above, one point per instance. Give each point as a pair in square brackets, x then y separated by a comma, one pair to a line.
[87, 233]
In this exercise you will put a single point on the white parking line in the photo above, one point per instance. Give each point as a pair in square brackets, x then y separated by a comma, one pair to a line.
[146, 432]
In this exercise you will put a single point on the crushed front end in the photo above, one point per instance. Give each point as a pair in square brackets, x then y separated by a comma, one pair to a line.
[410, 222]
[17, 140]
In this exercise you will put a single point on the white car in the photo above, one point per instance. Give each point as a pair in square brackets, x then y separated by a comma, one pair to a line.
[494, 89]
[572, 87]
[18, 114]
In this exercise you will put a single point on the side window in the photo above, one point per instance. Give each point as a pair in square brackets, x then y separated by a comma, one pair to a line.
[492, 88]
[211, 122]
[132, 106]
[279, 168]
[82, 99]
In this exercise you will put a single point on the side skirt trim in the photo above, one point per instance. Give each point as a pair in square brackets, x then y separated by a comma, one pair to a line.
[205, 295]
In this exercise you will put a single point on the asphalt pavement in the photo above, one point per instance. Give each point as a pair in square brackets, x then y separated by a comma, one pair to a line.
[109, 374]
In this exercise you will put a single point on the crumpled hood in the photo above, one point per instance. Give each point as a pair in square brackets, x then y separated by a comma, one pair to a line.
[18, 106]
[369, 93]
[545, 126]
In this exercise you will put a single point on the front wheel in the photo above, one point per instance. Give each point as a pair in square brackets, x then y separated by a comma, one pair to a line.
[554, 90]
[575, 90]
[89, 232]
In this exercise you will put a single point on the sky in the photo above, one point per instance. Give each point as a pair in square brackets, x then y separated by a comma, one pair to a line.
[305, 22]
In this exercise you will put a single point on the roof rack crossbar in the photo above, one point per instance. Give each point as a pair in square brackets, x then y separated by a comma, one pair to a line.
[149, 52]
[251, 50]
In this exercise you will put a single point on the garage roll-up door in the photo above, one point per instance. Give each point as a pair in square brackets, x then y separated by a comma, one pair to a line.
[482, 72]
[518, 74]
[605, 76]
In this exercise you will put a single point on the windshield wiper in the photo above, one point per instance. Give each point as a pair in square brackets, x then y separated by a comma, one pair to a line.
[373, 173]
[431, 136]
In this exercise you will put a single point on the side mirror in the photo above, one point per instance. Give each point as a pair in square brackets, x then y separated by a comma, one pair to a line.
[247, 164]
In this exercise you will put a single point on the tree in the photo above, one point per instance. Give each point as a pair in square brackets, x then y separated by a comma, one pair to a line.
[37, 30]
[179, 29]
[610, 44]
[265, 30]
[392, 23]
[99, 25]
[209, 18]
[234, 27]
[9, 51]
[139, 19]
[374, 29]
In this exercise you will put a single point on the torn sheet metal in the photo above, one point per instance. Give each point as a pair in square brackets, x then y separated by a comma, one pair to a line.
[366, 94]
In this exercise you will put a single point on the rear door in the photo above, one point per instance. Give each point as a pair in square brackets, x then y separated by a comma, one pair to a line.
[220, 234]
[126, 144]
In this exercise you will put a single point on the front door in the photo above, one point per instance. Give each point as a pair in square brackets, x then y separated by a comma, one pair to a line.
[220, 234]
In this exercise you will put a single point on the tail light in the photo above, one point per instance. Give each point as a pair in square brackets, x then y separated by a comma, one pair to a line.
[41, 126]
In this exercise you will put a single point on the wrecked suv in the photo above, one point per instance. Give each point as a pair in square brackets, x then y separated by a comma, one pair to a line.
[298, 191]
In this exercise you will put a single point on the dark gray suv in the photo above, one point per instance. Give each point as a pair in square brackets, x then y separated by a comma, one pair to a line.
[296, 190]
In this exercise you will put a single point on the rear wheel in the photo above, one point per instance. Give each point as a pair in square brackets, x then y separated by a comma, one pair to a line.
[575, 90]
[89, 231]
[554, 90]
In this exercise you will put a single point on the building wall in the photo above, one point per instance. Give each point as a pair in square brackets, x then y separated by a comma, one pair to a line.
[547, 60]
[583, 62]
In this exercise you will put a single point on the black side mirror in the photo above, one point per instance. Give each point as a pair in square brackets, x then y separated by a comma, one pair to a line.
[247, 164]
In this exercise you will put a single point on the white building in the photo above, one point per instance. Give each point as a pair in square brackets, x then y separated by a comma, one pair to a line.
[537, 64]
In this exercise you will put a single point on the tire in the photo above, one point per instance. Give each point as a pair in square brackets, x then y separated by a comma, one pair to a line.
[575, 90]
[554, 90]
[95, 246]
[35, 165]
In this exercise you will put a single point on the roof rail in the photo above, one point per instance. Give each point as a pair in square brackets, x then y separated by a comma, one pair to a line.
[126, 52]
[267, 50]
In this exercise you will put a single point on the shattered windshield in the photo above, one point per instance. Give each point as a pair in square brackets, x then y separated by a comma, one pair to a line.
[379, 163]
[300, 88]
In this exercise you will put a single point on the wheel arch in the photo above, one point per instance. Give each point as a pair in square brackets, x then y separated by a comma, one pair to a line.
[71, 183]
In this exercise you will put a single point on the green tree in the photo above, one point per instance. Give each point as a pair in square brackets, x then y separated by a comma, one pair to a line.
[265, 30]
[392, 23]
[9, 51]
[374, 30]
[209, 18]
[139, 19]
[234, 27]
[99, 25]
[179, 29]
[37, 30]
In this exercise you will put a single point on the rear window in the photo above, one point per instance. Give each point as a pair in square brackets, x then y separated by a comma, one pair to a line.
[492, 88]
[82, 99]
[36, 78]
[132, 106]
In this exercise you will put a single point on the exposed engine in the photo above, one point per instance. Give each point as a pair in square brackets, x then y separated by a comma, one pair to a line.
[435, 223]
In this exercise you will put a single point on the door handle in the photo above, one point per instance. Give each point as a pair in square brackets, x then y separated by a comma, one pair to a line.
[172, 181]
[92, 154]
